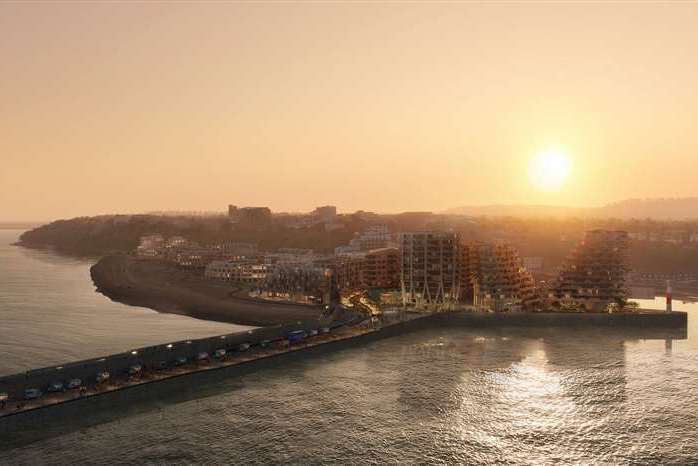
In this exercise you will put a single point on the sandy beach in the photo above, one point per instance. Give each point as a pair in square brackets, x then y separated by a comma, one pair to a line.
[163, 287]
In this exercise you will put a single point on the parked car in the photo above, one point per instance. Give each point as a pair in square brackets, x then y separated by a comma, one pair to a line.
[162, 365]
[244, 347]
[180, 361]
[219, 353]
[202, 356]
[32, 393]
[264, 343]
[103, 376]
[56, 387]
[135, 369]
[74, 383]
[297, 336]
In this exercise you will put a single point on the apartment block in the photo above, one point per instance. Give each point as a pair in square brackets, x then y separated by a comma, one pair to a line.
[499, 280]
[429, 272]
[595, 272]
[379, 268]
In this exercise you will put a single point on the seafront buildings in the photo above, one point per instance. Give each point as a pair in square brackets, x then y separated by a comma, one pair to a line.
[243, 271]
[377, 268]
[429, 273]
[422, 269]
[498, 278]
[373, 237]
[594, 274]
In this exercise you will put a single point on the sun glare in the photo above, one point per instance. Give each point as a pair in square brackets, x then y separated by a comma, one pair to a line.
[549, 170]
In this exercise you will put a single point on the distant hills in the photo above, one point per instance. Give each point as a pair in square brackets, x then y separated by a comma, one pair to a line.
[658, 209]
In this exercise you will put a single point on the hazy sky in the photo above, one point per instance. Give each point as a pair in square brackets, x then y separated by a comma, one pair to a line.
[379, 106]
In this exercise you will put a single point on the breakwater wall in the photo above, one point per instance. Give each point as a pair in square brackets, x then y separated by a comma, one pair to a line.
[647, 325]
[20, 428]
[150, 357]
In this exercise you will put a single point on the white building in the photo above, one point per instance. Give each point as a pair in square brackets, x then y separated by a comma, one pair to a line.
[374, 237]
[243, 271]
[150, 245]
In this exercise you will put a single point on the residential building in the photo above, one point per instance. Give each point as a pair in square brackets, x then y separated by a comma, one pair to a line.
[175, 242]
[305, 282]
[246, 271]
[150, 245]
[499, 280]
[194, 257]
[325, 214]
[379, 268]
[374, 237]
[249, 216]
[594, 274]
[236, 248]
[429, 268]
[348, 270]
[533, 264]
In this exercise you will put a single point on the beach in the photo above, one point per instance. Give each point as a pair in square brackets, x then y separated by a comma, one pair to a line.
[165, 288]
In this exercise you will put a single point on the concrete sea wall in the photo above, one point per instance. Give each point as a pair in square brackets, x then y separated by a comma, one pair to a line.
[149, 357]
[642, 326]
[650, 325]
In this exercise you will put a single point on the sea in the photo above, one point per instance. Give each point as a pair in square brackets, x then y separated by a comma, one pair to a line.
[449, 395]
[50, 313]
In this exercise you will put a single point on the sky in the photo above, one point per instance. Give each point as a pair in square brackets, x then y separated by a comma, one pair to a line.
[386, 106]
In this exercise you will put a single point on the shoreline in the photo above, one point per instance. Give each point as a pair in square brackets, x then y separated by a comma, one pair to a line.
[164, 288]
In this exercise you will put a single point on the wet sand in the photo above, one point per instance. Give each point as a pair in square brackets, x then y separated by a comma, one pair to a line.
[163, 287]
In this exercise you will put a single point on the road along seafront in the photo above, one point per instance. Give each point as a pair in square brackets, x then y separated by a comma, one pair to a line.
[50, 386]
[227, 354]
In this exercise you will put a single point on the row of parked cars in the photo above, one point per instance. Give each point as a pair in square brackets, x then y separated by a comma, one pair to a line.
[53, 387]
[135, 370]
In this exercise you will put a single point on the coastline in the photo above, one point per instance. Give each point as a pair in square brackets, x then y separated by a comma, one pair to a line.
[162, 287]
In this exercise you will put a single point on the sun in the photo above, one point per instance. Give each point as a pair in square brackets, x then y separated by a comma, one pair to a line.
[549, 170]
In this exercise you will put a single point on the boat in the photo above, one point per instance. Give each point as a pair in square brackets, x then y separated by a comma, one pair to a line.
[244, 347]
[74, 383]
[103, 376]
[55, 387]
[203, 356]
[32, 393]
[135, 369]
[219, 354]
